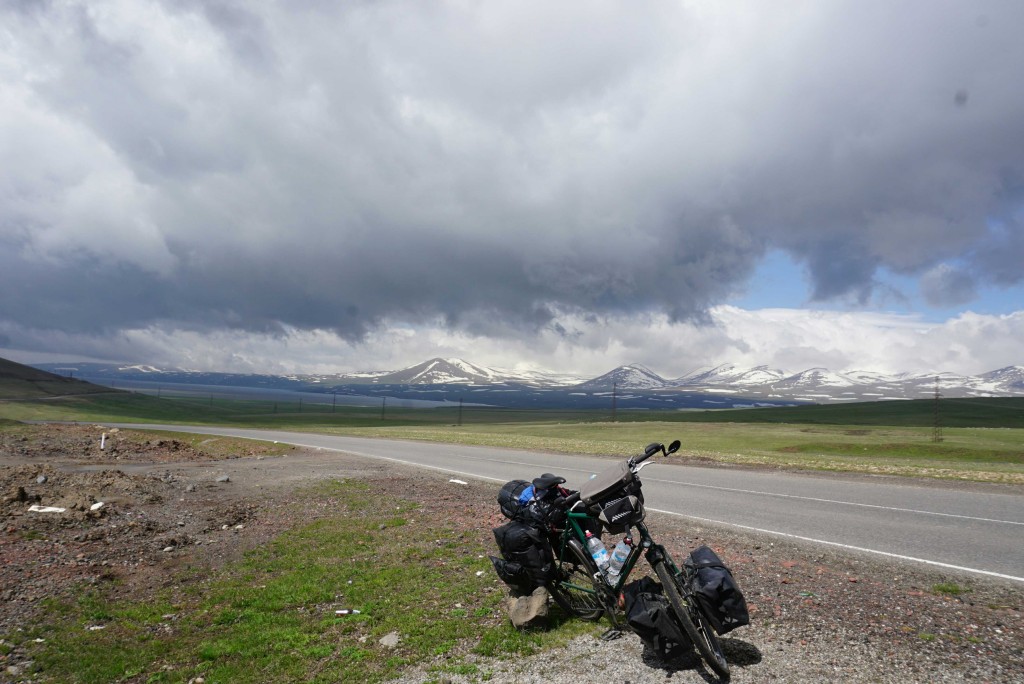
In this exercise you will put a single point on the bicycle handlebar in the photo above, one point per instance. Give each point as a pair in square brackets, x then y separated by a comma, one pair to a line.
[649, 451]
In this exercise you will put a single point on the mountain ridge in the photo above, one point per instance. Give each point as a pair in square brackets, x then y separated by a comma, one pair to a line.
[759, 382]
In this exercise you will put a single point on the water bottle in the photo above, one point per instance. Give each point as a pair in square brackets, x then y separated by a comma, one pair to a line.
[597, 551]
[618, 559]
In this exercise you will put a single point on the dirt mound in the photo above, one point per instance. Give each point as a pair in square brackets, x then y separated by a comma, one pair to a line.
[77, 492]
[87, 504]
[95, 444]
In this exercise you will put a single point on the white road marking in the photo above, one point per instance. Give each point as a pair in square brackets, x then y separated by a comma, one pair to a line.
[403, 462]
[776, 533]
[837, 501]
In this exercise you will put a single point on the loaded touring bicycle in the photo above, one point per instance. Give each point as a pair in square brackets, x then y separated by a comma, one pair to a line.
[701, 598]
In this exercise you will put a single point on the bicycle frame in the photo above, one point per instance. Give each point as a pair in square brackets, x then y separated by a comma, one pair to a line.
[645, 546]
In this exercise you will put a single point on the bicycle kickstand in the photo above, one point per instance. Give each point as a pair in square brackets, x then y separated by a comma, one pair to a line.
[617, 629]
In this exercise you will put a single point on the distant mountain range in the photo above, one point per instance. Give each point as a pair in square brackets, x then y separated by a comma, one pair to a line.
[722, 386]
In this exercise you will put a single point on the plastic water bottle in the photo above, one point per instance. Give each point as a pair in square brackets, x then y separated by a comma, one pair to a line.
[618, 559]
[597, 551]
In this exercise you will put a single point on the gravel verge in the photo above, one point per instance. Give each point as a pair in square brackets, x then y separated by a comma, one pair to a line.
[817, 614]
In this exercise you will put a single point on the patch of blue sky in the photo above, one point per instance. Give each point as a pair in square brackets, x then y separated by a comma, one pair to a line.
[782, 282]
[991, 300]
[986, 298]
[779, 282]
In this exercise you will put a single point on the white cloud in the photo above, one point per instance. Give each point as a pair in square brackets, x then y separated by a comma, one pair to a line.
[564, 181]
[788, 339]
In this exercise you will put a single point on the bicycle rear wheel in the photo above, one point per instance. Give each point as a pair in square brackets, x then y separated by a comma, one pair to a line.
[691, 617]
[574, 590]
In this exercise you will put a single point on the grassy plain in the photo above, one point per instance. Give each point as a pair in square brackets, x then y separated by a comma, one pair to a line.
[978, 439]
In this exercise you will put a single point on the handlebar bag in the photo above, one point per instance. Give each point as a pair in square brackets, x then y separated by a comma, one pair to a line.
[606, 482]
[617, 515]
[716, 590]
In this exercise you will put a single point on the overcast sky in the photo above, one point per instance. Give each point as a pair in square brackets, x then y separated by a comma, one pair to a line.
[314, 186]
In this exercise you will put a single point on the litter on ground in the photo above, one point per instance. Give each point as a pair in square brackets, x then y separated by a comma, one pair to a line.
[35, 508]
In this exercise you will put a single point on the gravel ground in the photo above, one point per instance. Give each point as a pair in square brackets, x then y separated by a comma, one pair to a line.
[816, 614]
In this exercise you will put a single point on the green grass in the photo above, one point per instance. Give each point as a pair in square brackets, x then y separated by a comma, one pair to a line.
[270, 617]
[948, 589]
[973, 454]
[998, 412]
[982, 439]
[980, 412]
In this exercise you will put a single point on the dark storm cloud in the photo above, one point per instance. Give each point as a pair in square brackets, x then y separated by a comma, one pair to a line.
[260, 166]
[1000, 258]
[946, 286]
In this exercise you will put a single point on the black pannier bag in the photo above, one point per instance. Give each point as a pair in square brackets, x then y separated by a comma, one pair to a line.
[514, 575]
[649, 615]
[526, 547]
[716, 589]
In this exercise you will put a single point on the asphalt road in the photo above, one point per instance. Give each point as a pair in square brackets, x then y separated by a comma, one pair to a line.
[968, 529]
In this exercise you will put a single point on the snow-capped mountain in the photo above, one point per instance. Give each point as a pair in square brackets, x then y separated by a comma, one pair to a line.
[729, 374]
[814, 378]
[760, 383]
[824, 385]
[439, 372]
[633, 376]
[457, 371]
[142, 368]
[1011, 377]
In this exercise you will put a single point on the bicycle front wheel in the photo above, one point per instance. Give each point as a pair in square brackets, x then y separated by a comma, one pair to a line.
[691, 617]
[574, 589]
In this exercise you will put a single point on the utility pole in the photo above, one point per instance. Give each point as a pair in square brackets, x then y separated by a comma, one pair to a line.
[614, 388]
[937, 426]
[460, 411]
[383, 403]
[334, 400]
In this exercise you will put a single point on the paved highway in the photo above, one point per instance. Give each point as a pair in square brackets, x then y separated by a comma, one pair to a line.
[960, 529]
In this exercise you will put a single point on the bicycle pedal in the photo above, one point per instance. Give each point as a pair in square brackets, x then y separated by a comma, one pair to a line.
[611, 635]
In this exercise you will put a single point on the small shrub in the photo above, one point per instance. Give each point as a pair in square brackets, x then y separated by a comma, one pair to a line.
[948, 589]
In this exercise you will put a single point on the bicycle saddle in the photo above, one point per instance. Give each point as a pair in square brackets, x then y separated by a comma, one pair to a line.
[547, 481]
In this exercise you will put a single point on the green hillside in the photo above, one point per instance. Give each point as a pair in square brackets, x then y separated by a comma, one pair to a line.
[24, 382]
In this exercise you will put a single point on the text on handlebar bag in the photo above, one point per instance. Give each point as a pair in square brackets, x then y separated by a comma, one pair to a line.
[617, 515]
